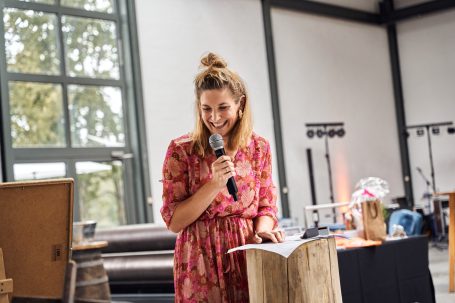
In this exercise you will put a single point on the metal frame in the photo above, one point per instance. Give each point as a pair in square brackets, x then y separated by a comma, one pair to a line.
[266, 10]
[387, 17]
[130, 84]
[328, 10]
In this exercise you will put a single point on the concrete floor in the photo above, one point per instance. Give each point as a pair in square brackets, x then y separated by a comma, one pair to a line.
[439, 267]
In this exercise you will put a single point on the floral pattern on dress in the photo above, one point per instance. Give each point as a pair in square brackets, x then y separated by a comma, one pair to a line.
[203, 271]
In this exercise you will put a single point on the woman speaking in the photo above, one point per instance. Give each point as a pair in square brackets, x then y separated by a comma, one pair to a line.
[196, 202]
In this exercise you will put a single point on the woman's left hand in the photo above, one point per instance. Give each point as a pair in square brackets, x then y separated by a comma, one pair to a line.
[275, 236]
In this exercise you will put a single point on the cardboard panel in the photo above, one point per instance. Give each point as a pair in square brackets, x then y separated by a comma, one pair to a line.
[35, 235]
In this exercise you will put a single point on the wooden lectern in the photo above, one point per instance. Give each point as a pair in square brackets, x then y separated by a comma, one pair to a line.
[6, 285]
[310, 274]
[451, 238]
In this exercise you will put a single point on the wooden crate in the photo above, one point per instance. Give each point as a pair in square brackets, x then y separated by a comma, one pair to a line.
[310, 274]
[35, 235]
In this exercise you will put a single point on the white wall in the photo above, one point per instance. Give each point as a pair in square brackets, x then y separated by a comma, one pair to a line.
[363, 5]
[328, 70]
[173, 35]
[332, 70]
[427, 54]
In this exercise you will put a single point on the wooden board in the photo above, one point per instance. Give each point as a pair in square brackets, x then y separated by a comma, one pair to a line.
[35, 235]
[451, 238]
[6, 285]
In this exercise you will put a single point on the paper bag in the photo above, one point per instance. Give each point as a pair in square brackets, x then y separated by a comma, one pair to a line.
[373, 221]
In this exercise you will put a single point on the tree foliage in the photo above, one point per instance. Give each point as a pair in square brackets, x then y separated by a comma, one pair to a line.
[32, 46]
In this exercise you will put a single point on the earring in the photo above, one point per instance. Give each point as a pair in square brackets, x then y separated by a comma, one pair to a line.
[240, 114]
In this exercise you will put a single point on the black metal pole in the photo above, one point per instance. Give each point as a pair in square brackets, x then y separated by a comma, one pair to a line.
[266, 8]
[329, 167]
[387, 8]
[430, 151]
[312, 187]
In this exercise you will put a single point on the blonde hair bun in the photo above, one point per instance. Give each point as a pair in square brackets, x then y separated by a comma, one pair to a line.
[213, 60]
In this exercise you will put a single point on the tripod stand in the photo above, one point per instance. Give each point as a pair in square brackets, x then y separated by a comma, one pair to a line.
[437, 214]
[327, 130]
[432, 218]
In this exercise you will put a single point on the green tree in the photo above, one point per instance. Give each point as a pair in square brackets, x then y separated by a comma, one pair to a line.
[96, 114]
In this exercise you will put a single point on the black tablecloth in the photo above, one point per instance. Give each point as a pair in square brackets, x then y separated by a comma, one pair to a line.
[396, 271]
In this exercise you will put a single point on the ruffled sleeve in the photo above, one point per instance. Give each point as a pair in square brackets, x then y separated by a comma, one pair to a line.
[175, 180]
[267, 191]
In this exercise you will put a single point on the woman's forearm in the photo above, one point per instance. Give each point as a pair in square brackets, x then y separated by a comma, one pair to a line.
[190, 209]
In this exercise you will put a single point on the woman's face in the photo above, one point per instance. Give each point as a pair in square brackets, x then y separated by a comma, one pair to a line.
[219, 111]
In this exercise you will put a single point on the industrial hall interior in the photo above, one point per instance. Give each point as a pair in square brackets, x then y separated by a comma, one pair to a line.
[227, 151]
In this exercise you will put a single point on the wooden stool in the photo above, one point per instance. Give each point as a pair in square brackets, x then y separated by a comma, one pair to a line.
[310, 274]
[451, 238]
[6, 285]
[92, 283]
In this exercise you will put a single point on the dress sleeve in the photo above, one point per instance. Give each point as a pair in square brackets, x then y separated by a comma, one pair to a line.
[267, 191]
[175, 180]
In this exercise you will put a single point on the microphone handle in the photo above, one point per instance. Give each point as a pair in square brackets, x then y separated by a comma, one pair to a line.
[232, 187]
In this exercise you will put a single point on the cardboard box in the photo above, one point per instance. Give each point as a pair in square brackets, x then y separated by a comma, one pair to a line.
[35, 235]
[310, 274]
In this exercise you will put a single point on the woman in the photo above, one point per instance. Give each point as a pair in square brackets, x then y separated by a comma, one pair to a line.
[196, 203]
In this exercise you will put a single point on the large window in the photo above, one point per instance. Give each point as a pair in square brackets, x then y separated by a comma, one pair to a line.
[68, 104]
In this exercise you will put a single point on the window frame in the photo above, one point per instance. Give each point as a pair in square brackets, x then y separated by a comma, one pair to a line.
[137, 196]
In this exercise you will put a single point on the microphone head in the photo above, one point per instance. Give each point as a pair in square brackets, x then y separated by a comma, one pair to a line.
[216, 141]
[418, 169]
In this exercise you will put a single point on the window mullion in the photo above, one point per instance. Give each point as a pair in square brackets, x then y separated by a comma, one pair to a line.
[66, 114]
[7, 151]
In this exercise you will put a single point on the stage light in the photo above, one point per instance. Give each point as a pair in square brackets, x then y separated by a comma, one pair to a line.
[331, 133]
[420, 132]
[310, 133]
[341, 132]
[435, 130]
[451, 130]
[320, 133]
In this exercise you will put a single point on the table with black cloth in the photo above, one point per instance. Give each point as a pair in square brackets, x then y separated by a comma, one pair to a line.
[139, 260]
[396, 271]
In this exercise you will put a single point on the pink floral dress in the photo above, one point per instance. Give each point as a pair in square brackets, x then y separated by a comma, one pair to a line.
[203, 271]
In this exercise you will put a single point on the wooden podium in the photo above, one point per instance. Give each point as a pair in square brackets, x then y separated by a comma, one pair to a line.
[310, 274]
[451, 238]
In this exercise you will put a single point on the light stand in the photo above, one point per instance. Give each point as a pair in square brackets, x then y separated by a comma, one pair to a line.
[327, 130]
[435, 129]
[420, 129]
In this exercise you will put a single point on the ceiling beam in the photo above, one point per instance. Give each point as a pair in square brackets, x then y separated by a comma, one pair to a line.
[418, 10]
[328, 10]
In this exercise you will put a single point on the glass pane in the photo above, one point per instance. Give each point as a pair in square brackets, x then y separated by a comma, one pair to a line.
[91, 48]
[31, 43]
[100, 187]
[36, 112]
[41, 1]
[96, 115]
[34, 171]
[105, 6]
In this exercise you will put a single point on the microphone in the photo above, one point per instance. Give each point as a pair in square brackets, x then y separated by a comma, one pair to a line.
[217, 144]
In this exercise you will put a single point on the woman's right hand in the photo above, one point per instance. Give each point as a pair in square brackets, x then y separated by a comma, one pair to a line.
[222, 170]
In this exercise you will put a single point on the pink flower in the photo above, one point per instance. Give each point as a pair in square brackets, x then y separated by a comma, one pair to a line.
[243, 168]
